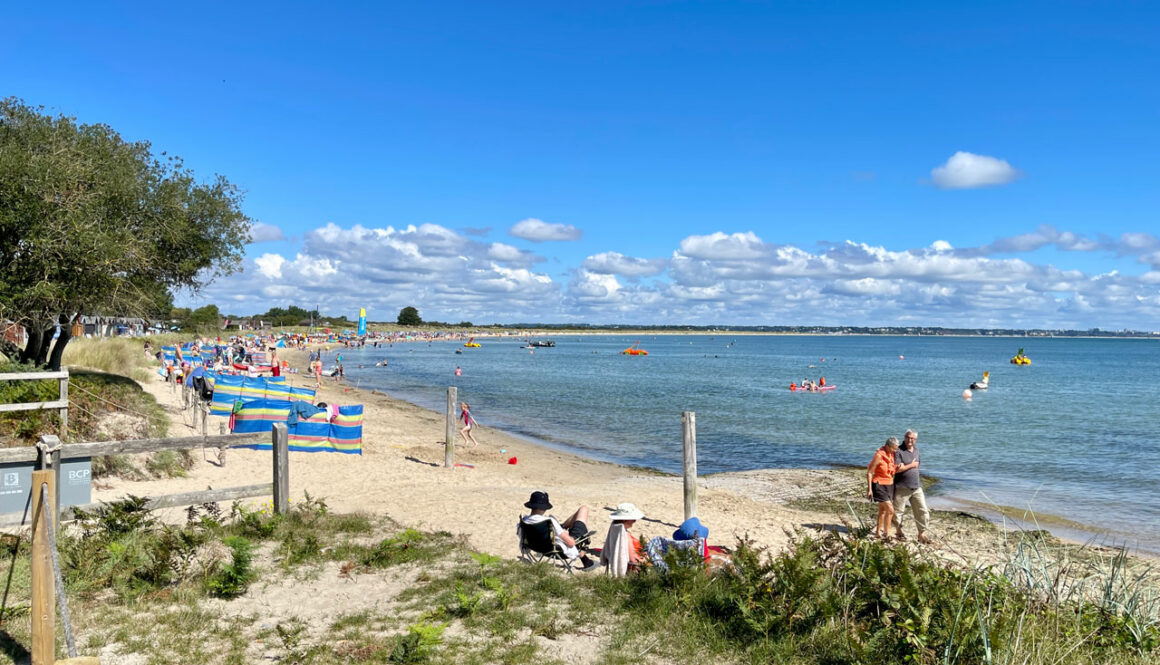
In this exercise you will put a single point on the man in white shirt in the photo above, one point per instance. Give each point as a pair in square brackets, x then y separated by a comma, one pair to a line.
[566, 532]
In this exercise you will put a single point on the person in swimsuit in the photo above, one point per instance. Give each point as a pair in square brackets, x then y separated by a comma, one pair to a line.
[468, 424]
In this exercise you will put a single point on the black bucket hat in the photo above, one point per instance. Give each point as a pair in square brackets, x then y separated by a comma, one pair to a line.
[539, 501]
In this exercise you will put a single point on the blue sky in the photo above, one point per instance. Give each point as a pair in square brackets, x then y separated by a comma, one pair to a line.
[710, 163]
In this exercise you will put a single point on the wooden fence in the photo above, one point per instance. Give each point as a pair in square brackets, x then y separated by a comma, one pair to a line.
[60, 403]
[48, 453]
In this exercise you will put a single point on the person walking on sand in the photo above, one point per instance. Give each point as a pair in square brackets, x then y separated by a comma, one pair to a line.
[317, 367]
[468, 424]
[908, 488]
[880, 486]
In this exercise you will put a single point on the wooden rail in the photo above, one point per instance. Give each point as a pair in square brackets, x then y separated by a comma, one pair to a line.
[130, 446]
[60, 403]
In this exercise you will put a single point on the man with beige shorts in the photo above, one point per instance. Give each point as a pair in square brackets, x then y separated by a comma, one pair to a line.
[908, 488]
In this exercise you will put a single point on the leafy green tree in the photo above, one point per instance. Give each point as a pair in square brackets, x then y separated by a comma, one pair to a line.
[409, 316]
[205, 317]
[91, 223]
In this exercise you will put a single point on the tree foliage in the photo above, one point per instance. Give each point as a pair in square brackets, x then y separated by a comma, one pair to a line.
[289, 316]
[91, 223]
[409, 316]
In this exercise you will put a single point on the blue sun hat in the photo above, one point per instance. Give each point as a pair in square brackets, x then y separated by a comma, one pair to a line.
[690, 529]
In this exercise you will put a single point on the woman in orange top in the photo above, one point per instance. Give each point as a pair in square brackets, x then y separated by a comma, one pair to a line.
[880, 485]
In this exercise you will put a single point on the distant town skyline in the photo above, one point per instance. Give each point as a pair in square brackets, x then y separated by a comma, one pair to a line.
[982, 166]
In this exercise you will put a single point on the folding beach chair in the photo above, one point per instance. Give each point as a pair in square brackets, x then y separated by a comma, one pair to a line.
[538, 543]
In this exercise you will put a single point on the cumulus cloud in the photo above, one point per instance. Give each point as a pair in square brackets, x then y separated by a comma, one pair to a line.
[966, 170]
[270, 265]
[537, 230]
[715, 278]
[262, 232]
[615, 263]
[724, 246]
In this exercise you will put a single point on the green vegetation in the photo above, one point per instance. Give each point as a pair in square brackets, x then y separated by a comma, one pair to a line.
[409, 316]
[93, 397]
[93, 224]
[824, 600]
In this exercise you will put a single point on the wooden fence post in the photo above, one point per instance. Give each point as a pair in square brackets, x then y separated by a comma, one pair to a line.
[281, 468]
[449, 433]
[43, 581]
[221, 453]
[48, 459]
[689, 446]
[64, 409]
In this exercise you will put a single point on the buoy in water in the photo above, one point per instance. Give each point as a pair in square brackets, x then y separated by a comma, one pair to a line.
[966, 394]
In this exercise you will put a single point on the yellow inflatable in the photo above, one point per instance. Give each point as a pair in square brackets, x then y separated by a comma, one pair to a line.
[1020, 359]
[471, 343]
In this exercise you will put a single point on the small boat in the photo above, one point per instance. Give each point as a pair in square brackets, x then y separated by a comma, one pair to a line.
[544, 344]
[633, 351]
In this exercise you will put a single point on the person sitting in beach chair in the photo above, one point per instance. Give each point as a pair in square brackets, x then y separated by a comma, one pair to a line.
[543, 537]
[622, 552]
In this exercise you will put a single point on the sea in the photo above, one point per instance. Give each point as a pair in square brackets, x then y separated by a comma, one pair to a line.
[1069, 441]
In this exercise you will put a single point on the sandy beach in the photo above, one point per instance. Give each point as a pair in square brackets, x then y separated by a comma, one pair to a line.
[401, 474]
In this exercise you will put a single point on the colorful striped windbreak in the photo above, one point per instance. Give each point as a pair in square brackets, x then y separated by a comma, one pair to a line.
[310, 435]
[229, 389]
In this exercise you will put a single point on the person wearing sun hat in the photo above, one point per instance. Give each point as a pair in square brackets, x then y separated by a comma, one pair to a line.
[567, 532]
[622, 550]
[692, 529]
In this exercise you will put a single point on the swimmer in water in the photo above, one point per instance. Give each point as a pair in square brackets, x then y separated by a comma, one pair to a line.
[458, 372]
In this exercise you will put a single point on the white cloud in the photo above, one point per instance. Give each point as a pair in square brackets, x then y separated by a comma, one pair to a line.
[270, 265]
[715, 278]
[721, 246]
[615, 263]
[537, 230]
[966, 170]
[262, 232]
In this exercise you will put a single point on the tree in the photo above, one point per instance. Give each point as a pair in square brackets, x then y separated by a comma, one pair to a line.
[205, 317]
[91, 223]
[409, 316]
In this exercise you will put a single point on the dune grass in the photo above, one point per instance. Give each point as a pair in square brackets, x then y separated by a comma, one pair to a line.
[115, 355]
[825, 600]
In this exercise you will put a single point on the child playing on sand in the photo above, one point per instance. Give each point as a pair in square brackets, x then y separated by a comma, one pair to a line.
[468, 424]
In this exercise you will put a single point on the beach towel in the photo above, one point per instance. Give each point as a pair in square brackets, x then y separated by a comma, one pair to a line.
[301, 410]
[614, 556]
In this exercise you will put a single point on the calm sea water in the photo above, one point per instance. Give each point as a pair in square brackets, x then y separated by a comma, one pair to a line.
[1073, 435]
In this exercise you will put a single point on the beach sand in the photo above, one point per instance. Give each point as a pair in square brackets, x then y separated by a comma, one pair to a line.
[401, 474]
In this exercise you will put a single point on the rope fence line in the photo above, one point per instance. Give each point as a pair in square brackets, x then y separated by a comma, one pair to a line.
[108, 401]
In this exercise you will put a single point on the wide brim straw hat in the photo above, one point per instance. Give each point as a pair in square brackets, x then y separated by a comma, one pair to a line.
[626, 511]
